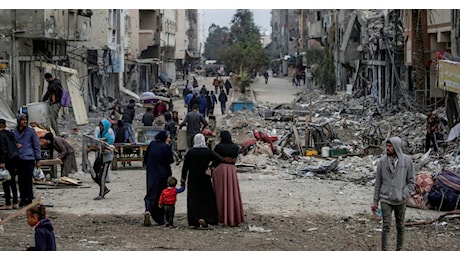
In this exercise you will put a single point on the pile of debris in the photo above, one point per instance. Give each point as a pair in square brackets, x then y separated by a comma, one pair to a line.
[353, 130]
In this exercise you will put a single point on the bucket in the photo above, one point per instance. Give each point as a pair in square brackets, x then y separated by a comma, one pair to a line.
[349, 89]
[325, 151]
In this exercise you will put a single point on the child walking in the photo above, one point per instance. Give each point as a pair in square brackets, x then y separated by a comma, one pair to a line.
[168, 200]
[44, 234]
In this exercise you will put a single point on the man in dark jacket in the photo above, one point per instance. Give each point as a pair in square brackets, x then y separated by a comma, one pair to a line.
[195, 123]
[8, 160]
[129, 113]
[54, 95]
[223, 102]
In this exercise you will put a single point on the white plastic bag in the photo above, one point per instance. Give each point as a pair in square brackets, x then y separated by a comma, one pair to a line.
[4, 175]
[38, 174]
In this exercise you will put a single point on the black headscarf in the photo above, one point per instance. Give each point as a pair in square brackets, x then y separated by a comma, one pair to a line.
[161, 136]
[225, 137]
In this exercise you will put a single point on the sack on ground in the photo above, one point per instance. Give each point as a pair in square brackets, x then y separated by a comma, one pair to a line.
[38, 174]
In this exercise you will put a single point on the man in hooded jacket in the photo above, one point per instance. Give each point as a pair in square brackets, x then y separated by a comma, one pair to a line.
[394, 182]
[29, 158]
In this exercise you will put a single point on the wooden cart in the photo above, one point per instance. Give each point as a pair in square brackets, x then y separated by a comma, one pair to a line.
[125, 153]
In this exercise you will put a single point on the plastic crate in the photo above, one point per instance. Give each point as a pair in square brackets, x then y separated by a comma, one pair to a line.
[338, 151]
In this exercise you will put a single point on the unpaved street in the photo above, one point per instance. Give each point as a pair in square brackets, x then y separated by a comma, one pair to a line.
[284, 212]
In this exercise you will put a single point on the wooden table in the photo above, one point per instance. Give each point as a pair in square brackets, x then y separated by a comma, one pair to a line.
[127, 152]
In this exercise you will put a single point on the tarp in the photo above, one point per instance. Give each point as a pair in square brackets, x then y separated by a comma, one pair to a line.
[7, 114]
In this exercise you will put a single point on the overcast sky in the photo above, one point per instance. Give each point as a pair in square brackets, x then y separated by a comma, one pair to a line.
[223, 17]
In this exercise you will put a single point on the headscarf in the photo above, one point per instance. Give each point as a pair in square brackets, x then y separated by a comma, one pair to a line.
[199, 141]
[225, 137]
[105, 132]
[161, 136]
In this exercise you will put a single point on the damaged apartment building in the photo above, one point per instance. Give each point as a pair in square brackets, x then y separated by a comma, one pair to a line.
[97, 54]
[389, 54]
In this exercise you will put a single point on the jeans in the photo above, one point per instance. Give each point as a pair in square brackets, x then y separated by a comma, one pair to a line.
[9, 187]
[430, 139]
[25, 170]
[169, 214]
[400, 212]
[132, 137]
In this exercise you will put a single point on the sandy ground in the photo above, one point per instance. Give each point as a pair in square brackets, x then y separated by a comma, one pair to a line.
[284, 212]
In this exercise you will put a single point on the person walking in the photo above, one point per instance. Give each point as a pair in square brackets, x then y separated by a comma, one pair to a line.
[115, 115]
[54, 95]
[228, 86]
[168, 200]
[66, 153]
[432, 130]
[213, 102]
[225, 183]
[195, 123]
[394, 182]
[157, 159]
[223, 102]
[266, 77]
[129, 113]
[103, 158]
[29, 158]
[203, 105]
[201, 200]
[215, 83]
[9, 156]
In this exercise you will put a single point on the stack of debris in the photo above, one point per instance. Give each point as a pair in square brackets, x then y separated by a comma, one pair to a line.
[60, 183]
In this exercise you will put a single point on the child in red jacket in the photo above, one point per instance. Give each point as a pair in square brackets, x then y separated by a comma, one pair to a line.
[168, 199]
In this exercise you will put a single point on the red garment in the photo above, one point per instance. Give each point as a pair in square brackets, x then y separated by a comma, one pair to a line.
[226, 187]
[160, 109]
[168, 197]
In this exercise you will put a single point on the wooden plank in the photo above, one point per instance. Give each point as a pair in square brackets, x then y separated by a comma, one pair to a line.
[21, 211]
[78, 105]
[68, 180]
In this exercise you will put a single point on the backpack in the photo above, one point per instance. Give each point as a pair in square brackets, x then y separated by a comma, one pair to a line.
[65, 99]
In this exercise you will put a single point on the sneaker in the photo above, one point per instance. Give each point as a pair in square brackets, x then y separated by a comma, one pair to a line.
[98, 198]
[203, 223]
[147, 221]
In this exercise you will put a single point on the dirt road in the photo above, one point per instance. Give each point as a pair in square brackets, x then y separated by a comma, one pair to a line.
[283, 212]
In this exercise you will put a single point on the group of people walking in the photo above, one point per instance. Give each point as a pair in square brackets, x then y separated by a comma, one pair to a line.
[208, 176]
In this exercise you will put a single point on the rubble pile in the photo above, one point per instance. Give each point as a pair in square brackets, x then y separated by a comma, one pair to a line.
[357, 125]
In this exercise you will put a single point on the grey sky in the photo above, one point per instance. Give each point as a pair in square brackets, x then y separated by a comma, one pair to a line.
[223, 17]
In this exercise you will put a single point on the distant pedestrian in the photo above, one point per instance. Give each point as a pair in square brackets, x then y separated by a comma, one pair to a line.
[432, 130]
[148, 117]
[223, 102]
[54, 95]
[45, 240]
[213, 102]
[266, 77]
[195, 123]
[168, 200]
[394, 182]
[228, 86]
[215, 83]
[129, 113]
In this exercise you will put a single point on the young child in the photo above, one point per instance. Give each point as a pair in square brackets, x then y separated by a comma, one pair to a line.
[44, 234]
[168, 199]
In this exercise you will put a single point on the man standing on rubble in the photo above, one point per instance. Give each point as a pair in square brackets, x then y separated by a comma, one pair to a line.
[54, 95]
[394, 182]
[432, 129]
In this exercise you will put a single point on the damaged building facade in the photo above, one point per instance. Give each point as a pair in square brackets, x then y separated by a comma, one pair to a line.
[390, 54]
[114, 53]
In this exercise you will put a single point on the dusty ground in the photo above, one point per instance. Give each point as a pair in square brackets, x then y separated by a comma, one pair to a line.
[283, 212]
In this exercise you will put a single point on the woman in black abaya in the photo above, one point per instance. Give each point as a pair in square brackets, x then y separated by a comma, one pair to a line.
[201, 200]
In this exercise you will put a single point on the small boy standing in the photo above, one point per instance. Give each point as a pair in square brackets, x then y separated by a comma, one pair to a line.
[44, 234]
[168, 199]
